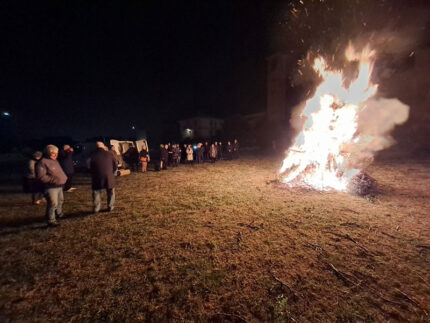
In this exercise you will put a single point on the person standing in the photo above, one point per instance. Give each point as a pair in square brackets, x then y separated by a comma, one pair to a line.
[174, 161]
[235, 149]
[102, 169]
[31, 184]
[216, 149]
[220, 150]
[66, 161]
[52, 177]
[206, 152]
[184, 154]
[144, 156]
[164, 156]
[229, 150]
[212, 153]
[189, 154]
[132, 158]
[200, 153]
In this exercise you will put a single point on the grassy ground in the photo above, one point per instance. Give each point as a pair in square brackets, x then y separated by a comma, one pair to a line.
[222, 243]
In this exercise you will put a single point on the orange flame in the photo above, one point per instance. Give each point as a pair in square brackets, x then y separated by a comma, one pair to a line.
[317, 157]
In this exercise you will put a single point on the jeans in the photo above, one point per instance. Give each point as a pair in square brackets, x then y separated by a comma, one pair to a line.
[54, 198]
[97, 198]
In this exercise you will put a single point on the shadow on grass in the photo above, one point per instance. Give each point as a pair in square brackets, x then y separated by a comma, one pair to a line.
[25, 225]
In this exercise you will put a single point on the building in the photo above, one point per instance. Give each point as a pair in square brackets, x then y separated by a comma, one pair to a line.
[200, 127]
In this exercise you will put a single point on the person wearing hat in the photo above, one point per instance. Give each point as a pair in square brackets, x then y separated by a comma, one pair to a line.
[52, 177]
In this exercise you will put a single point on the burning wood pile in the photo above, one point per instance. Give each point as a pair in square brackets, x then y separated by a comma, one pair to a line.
[341, 127]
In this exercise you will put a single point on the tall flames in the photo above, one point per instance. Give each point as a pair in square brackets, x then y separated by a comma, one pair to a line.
[338, 136]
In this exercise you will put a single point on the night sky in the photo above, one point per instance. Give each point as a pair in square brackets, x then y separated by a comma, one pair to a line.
[88, 68]
[96, 68]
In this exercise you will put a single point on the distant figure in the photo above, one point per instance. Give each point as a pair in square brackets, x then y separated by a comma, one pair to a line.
[229, 151]
[236, 149]
[206, 152]
[200, 153]
[169, 154]
[164, 156]
[66, 161]
[216, 149]
[189, 151]
[212, 153]
[178, 154]
[144, 156]
[102, 169]
[132, 158]
[175, 155]
[53, 178]
[220, 152]
[184, 153]
[31, 184]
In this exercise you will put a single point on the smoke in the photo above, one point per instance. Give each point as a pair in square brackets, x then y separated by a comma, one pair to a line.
[375, 123]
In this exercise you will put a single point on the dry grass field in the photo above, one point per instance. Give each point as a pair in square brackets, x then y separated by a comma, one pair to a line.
[222, 243]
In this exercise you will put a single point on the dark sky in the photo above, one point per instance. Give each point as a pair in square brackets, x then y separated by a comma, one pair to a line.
[84, 68]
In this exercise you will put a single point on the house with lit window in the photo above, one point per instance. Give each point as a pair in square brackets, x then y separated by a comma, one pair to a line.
[200, 127]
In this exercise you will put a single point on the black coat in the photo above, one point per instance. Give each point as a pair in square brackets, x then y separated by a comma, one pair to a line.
[66, 162]
[102, 168]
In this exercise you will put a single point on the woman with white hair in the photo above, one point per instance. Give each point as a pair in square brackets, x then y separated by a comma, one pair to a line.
[53, 178]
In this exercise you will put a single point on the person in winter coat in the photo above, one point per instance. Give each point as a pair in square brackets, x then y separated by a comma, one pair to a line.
[212, 153]
[236, 149]
[144, 158]
[184, 153]
[50, 174]
[190, 154]
[31, 184]
[206, 152]
[174, 158]
[178, 153]
[220, 152]
[102, 169]
[200, 153]
[164, 156]
[229, 151]
[66, 161]
[132, 158]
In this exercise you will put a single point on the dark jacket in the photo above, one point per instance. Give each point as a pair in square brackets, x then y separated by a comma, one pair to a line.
[66, 162]
[164, 154]
[102, 168]
[50, 174]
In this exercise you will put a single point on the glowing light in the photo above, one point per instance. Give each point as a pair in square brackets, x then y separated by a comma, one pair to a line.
[6, 114]
[318, 158]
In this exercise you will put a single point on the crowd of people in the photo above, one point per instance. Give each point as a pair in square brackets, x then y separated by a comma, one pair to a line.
[51, 173]
[173, 155]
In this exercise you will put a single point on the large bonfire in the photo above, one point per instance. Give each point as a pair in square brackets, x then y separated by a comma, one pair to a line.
[334, 145]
